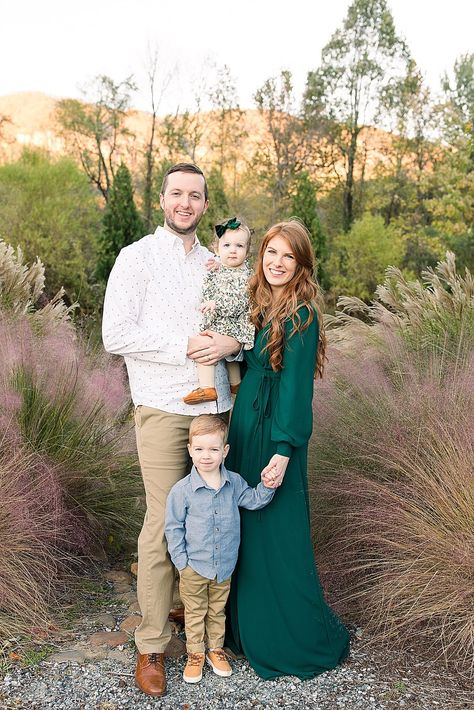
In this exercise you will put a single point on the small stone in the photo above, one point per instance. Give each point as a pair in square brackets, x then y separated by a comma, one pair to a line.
[108, 638]
[116, 575]
[130, 623]
[72, 655]
[175, 648]
[134, 568]
[134, 608]
[106, 620]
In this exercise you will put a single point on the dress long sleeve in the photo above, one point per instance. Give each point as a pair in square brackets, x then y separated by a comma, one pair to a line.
[293, 420]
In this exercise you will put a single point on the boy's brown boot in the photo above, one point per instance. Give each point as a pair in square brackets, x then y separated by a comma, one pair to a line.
[200, 395]
[193, 671]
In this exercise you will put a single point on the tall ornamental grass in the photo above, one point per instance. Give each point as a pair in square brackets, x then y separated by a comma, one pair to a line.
[69, 484]
[393, 452]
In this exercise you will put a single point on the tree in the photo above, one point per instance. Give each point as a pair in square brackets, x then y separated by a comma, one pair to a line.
[278, 159]
[360, 257]
[150, 152]
[218, 206]
[227, 132]
[47, 207]
[304, 206]
[96, 128]
[343, 95]
[122, 224]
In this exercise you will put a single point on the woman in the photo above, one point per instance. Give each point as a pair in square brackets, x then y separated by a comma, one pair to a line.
[278, 617]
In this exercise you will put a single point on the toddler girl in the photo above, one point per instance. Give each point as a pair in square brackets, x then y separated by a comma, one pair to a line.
[225, 305]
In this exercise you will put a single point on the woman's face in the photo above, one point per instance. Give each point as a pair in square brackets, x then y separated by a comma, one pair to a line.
[279, 263]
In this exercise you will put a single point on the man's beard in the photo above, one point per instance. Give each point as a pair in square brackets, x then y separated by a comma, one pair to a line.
[184, 231]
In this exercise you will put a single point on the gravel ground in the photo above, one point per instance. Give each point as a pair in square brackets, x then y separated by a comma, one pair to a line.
[369, 679]
[103, 678]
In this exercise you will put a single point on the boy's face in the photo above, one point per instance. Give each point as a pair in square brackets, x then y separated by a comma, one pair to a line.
[208, 451]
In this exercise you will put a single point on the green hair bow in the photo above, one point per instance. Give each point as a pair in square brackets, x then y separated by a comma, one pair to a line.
[232, 223]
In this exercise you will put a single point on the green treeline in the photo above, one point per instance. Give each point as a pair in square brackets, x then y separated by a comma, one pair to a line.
[379, 170]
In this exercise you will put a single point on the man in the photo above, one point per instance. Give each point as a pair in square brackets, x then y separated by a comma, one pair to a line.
[150, 317]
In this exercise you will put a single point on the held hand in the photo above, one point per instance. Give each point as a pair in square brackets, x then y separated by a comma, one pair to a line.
[270, 478]
[209, 347]
[276, 468]
[208, 307]
[213, 265]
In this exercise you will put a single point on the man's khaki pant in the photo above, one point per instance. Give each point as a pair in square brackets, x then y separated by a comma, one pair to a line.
[164, 460]
[204, 609]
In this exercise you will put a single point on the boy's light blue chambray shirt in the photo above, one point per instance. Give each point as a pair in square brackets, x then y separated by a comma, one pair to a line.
[202, 525]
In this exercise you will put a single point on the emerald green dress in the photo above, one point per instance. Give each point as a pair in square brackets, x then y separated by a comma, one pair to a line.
[277, 615]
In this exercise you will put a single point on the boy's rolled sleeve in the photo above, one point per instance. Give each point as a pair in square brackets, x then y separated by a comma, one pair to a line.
[175, 516]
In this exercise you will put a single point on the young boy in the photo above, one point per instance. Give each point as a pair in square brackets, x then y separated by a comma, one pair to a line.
[202, 527]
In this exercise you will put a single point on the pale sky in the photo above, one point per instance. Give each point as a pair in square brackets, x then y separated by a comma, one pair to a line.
[56, 46]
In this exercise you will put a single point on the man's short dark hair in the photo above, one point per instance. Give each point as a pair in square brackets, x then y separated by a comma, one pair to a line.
[183, 168]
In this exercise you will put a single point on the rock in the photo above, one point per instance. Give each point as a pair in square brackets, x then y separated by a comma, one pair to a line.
[134, 608]
[106, 620]
[98, 653]
[108, 638]
[175, 648]
[128, 597]
[117, 575]
[130, 624]
[134, 568]
[72, 655]
[122, 587]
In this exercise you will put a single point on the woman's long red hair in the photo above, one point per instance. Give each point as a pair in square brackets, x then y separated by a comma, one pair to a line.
[301, 290]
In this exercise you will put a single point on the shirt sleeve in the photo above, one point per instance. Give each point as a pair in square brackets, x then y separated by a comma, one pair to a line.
[209, 291]
[293, 419]
[121, 333]
[175, 516]
[251, 498]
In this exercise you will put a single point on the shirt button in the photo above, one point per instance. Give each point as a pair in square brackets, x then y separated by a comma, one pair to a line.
[217, 529]
[215, 512]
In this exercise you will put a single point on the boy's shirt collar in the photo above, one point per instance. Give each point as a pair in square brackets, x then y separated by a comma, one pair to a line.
[198, 482]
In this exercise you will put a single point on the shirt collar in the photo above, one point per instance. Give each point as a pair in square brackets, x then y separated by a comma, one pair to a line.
[198, 482]
[163, 233]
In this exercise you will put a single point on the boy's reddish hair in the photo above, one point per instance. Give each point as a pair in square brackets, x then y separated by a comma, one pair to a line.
[208, 424]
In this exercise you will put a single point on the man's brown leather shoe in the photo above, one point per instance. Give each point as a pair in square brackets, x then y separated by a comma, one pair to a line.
[177, 615]
[150, 674]
[200, 395]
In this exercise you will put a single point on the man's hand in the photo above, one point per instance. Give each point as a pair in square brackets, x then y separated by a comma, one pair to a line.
[209, 347]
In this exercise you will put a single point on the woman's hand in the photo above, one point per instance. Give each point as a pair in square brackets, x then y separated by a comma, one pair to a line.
[209, 347]
[275, 470]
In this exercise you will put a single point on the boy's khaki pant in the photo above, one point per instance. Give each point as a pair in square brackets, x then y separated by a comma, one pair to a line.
[161, 441]
[204, 604]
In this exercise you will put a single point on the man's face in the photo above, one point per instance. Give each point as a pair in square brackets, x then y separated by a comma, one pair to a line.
[183, 202]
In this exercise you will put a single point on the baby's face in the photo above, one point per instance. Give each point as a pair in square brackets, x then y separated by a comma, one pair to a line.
[233, 247]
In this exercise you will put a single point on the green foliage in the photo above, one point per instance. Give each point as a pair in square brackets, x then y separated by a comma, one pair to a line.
[122, 224]
[360, 257]
[48, 209]
[304, 206]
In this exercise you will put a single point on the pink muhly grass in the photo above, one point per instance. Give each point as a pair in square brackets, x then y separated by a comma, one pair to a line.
[33, 527]
[393, 494]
